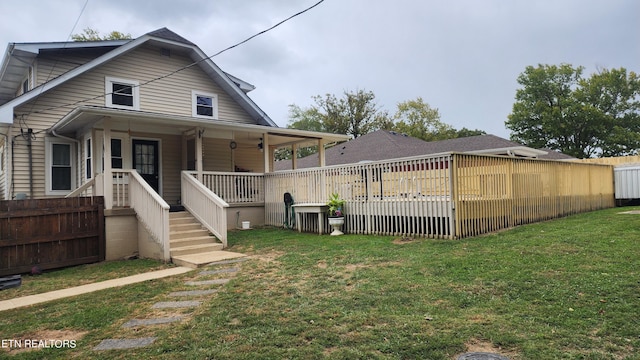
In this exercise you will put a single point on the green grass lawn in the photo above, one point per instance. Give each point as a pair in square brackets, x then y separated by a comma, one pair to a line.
[80, 275]
[563, 289]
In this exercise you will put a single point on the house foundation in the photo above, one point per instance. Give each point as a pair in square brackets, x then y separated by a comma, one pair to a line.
[121, 233]
[237, 213]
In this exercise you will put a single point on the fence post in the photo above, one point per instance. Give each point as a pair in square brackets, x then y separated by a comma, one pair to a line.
[454, 205]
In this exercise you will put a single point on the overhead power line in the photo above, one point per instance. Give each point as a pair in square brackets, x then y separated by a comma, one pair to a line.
[35, 101]
[184, 67]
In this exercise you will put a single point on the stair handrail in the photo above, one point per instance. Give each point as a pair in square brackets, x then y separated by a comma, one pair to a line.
[205, 206]
[151, 210]
[89, 184]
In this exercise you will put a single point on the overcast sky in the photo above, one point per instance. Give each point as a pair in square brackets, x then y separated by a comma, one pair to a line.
[461, 56]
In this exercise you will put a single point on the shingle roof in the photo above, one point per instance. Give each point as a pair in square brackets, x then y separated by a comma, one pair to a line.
[554, 155]
[382, 145]
[167, 34]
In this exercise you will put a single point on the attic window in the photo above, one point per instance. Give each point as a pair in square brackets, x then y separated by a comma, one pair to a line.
[122, 94]
[165, 52]
[204, 105]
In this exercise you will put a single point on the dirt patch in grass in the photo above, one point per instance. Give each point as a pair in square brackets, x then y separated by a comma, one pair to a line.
[403, 240]
[268, 256]
[55, 339]
[475, 345]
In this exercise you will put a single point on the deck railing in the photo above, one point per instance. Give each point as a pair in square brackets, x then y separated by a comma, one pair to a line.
[234, 187]
[410, 196]
[206, 206]
[131, 190]
[496, 192]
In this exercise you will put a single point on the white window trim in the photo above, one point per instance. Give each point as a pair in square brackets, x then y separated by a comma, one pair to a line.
[108, 89]
[88, 148]
[48, 161]
[194, 104]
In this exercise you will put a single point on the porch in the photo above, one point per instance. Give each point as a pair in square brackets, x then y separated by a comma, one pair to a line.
[148, 165]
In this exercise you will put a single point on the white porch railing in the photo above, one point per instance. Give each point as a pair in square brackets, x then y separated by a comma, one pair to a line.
[410, 196]
[131, 190]
[234, 187]
[93, 187]
[206, 206]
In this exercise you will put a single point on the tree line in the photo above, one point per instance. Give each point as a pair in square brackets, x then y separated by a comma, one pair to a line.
[356, 113]
[556, 108]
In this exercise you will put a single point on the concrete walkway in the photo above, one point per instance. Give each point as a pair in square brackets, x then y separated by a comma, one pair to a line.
[83, 289]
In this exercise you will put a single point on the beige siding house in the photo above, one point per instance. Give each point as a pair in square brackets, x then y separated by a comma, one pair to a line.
[136, 121]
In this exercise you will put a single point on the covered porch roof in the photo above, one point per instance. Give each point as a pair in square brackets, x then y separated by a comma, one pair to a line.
[84, 117]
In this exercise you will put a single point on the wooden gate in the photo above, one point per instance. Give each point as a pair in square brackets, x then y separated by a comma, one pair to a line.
[50, 233]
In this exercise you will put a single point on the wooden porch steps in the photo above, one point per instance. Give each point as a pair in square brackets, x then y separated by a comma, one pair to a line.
[188, 237]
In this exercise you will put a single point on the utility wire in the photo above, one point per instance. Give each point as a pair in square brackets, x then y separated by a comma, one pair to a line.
[35, 101]
[184, 67]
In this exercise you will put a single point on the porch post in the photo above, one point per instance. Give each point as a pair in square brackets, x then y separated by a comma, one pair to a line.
[199, 134]
[321, 157]
[184, 152]
[108, 175]
[294, 156]
[266, 152]
[95, 150]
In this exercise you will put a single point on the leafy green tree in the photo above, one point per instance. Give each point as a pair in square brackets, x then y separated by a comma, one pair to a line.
[89, 34]
[416, 118]
[464, 132]
[302, 119]
[355, 114]
[559, 109]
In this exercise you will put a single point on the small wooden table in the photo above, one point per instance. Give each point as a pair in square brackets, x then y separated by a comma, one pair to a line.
[310, 208]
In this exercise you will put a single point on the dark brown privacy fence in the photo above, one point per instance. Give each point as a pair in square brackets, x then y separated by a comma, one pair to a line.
[50, 233]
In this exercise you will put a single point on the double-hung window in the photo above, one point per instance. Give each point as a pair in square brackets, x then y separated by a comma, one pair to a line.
[122, 93]
[60, 169]
[204, 105]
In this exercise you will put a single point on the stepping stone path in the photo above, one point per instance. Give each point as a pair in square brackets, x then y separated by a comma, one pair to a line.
[207, 282]
[176, 304]
[115, 344]
[193, 293]
[221, 271]
[147, 322]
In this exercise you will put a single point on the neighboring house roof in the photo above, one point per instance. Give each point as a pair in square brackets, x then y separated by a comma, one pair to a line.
[18, 58]
[383, 145]
[555, 155]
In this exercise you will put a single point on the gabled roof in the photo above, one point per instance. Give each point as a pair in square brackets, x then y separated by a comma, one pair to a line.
[383, 145]
[20, 56]
[15, 61]
[167, 34]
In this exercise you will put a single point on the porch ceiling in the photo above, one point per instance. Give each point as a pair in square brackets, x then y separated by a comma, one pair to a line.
[85, 117]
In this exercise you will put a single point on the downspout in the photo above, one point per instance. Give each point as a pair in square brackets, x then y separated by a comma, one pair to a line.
[30, 147]
[78, 153]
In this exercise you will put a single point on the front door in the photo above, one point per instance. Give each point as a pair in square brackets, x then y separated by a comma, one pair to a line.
[145, 161]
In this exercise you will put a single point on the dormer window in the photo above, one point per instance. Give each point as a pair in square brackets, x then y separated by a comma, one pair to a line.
[122, 93]
[204, 105]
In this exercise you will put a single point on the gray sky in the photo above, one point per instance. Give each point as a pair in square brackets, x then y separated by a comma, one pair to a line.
[461, 56]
